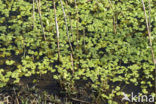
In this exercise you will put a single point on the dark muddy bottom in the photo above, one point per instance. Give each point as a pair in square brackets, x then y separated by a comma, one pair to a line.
[46, 90]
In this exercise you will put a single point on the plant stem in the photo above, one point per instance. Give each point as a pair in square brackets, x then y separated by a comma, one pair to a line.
[77, 24]
[39, 11]
[150, 40]
[33, 13]
[57, 31]
[65, 18]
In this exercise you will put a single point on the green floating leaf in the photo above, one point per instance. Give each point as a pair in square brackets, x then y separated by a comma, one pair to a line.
[10, 62]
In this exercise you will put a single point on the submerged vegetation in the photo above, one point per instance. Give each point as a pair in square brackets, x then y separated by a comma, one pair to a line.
[86, 51]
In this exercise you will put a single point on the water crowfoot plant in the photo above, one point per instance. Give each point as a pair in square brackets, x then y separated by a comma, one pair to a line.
[95, 50]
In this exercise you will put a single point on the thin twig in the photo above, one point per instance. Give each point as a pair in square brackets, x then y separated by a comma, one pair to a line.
[149, 33]
[77, 25]
[33, 13]
[72, 62]
[82, 101]
[71, 28]
[57, 31]
[150, 40]
[149, 14]
[65, 18]
[16, 100]
[6, 100]
[39, 11]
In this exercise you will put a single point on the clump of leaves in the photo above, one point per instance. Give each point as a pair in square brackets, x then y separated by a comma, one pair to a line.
[102, 42]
